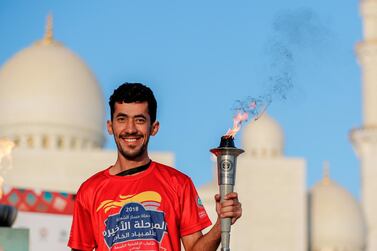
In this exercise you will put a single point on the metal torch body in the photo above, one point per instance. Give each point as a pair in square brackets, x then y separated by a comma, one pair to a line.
[226, 166]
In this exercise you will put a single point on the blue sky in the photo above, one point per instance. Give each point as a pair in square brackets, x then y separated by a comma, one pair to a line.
[199, 57]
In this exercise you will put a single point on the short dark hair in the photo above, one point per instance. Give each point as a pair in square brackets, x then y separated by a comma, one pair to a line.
[134, 93]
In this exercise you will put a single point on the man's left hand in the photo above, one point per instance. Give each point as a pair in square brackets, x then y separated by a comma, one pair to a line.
[230, 207]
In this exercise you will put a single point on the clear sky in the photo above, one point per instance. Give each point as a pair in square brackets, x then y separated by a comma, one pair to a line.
[199, 57]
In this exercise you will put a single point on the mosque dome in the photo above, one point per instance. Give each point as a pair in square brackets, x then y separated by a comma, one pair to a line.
[336, 219]
[50, 99]
[263, 137]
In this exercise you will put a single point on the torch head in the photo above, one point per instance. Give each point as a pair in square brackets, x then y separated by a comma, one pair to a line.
[226, 155]
[227, 141]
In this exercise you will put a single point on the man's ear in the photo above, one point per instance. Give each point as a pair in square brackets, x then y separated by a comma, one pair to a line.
[155, 127]
[109, 126]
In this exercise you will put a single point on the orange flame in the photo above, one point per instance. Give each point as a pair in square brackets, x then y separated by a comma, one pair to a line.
[237, 122]
[252, 110]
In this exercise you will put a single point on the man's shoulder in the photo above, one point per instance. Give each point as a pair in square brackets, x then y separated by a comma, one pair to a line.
[171, 172]
[93, 180]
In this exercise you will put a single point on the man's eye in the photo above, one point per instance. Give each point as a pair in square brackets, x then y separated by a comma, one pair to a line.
[121, 119]
[139, 120]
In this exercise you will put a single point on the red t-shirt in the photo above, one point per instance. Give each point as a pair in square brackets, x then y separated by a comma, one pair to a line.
[148, 211]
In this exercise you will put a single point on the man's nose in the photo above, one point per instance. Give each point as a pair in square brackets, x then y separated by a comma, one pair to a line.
[130, 126]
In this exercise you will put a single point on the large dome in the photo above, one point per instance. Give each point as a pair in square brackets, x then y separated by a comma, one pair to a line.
[336, 219]
[49, 98]
[263, 137]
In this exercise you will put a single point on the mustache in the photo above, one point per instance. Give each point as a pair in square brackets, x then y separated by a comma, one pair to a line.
[125, 135]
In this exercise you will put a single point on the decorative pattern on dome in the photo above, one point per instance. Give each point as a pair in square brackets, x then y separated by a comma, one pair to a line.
[51, 141]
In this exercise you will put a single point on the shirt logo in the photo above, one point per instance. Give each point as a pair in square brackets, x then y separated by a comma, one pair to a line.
[134, 222]
[138, 225]
[149, 199]
[199, 202]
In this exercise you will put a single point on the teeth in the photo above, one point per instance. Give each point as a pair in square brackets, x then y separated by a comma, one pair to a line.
[130, 140]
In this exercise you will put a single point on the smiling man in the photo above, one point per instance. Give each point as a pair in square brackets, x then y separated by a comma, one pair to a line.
[139, 204]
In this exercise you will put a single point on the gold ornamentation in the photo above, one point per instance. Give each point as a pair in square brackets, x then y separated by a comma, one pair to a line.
[326, 173]
[49, 35]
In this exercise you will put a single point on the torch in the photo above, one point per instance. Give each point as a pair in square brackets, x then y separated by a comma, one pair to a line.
[226, 155]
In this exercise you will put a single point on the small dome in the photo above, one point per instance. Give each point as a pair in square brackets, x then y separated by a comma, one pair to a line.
[263, 137]
[336, 219]
[49, 98]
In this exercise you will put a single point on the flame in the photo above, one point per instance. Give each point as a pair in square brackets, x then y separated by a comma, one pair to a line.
[237, 122]
[250, 109]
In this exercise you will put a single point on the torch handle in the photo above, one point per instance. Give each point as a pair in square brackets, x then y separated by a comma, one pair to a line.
[225, 223]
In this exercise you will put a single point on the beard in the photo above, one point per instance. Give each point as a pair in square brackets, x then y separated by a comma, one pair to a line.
[132, 153]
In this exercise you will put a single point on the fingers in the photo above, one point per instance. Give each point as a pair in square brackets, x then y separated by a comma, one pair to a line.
[217, 197]
[229, 196]
[230, 207]
[232, 195]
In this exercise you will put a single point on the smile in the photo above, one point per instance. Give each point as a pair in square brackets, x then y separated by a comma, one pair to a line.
[130, 140]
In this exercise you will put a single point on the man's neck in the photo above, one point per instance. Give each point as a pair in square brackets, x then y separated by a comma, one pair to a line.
[123, 164]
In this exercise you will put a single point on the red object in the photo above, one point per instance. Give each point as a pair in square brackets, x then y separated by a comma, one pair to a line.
[30, 200]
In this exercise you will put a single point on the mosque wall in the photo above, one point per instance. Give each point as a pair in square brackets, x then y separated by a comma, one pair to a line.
[273, 196]
[273, 193]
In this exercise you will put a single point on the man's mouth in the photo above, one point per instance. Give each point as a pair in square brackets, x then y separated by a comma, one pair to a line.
[131, 139]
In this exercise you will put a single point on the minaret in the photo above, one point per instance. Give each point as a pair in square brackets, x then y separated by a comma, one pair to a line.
[364, 139]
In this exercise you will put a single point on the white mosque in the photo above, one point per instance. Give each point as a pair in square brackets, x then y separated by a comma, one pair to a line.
[59, 143]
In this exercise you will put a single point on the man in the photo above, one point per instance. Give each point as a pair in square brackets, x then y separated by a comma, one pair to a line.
[139, 204]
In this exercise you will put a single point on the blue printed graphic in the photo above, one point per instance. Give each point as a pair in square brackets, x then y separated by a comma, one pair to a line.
[134, 222]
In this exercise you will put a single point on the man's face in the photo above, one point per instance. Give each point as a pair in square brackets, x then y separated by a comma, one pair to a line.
[131, 127]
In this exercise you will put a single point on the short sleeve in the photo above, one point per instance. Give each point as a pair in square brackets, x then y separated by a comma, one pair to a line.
[193, 216]
[81, 236]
